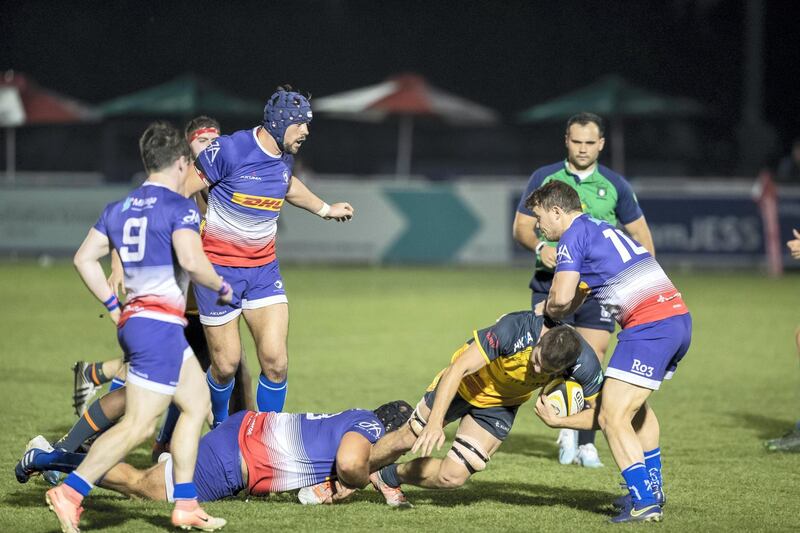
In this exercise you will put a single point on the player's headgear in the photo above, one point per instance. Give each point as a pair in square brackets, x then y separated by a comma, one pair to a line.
[393, 414]
[285, 107]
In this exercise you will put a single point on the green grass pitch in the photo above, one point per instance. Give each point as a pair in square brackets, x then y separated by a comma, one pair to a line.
[362, 336]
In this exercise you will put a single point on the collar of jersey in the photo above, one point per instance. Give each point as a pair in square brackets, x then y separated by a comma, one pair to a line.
[255, 138]
[590, 177]
[153, 184]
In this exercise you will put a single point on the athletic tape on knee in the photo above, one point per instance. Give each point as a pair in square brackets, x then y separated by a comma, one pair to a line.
[470, 453]
[416, 422]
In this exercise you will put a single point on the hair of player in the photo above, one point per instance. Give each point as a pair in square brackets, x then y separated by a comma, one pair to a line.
[555, 193]
[585, 118]
[196, 123]
[161, 145]
[561, 347]
[394, 414]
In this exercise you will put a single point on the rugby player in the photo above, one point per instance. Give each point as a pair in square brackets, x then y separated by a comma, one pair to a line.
[155, 231]
[790, 442]
[261, 453]
[656, 332]
[249, 177]
[488, 378]
[604, 195]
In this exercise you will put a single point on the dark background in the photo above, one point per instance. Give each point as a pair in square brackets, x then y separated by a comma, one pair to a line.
[506, 55]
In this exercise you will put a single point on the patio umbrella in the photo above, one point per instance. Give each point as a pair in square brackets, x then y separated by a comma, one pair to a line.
[615, 98]
[186, 95]
[23, 101]
[406, 96]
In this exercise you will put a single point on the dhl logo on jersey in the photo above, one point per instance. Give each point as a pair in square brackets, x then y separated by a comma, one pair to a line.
[257, 202]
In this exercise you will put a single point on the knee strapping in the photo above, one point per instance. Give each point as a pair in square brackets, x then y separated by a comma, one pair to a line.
[470, 453]
[416, 422]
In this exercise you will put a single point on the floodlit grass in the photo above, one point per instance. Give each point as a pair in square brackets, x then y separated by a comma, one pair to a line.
[362, 336]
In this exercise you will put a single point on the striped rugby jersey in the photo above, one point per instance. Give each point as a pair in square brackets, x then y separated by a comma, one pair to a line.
[246, 189]
[620, 272]
[140, 228]
[288, 451]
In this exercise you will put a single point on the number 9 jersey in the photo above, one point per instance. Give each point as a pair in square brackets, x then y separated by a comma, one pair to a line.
[621, 274]
[140, 228]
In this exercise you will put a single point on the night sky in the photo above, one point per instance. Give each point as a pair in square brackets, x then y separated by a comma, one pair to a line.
[508, 55]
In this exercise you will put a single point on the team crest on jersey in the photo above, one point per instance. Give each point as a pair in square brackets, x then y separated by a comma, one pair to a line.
[563, 255]
[286, 176]
[373, 428]
[264, 203]
[212, 150]
[601, 192]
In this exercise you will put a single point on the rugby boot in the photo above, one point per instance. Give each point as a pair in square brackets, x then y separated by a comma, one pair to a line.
[788, 443]
[567, 446]
[318, 494]
[67, 511]
[394, 495]
[188, 515]
[25, 468]
[587, 456]
[83, 390]
[647, 513]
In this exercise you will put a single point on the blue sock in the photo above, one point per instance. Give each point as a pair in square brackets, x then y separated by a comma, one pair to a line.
[116, 383]
[220, 396]
[58, 460]
[652, 461]
[165, 435]
[75, 481]
[270, 396]
[389, 475]
[639, 485]
[184, 491]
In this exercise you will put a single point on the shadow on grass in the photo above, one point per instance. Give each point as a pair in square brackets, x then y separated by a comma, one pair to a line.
[767, 427]
[523, 494]
[530, 445]
[102, 512]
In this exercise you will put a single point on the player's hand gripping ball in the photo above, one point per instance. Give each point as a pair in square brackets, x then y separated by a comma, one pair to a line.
[564, 396]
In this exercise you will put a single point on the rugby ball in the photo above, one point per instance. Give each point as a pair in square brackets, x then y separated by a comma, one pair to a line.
[565, 396]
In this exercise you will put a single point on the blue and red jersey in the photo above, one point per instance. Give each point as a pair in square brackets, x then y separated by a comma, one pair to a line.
[140, 228]
[246, 189]
[620, 272]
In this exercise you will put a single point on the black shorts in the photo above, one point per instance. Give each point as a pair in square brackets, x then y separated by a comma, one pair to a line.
[496, 420]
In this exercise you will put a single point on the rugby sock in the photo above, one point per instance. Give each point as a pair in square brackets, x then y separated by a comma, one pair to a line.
[93, 422]
[184, 491]
[586, 437]
[220, 396]
[389, 475]
[78, 484]
[638, 484]
[94, 373]
[165, 435]
[116, 383]
[270, 396]
[652, 461]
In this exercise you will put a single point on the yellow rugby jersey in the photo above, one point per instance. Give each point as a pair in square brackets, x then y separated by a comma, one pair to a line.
[508, 378]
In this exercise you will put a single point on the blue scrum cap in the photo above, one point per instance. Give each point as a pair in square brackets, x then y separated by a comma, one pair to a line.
[283, 108]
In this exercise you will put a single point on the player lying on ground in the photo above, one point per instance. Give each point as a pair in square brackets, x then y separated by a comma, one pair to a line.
[489, 377]
[259, 452]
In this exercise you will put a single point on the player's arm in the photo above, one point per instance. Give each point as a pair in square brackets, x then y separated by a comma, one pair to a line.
[116, 280]
[352, 460]
[640, 231]
[189, 250]
[586, 419]
[564, 297]
[524, 231]
[301, 196]
[87, 263]
[432, 435]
